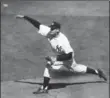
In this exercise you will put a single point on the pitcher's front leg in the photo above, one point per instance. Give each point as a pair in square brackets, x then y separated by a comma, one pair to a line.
[45, 86]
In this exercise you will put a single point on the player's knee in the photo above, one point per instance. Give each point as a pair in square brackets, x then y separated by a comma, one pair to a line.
[80, 68]
[46, 72]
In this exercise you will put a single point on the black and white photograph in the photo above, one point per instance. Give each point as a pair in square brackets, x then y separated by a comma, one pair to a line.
[54, 49]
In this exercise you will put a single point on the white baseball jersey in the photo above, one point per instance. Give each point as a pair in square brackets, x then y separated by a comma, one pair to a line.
[60, 44]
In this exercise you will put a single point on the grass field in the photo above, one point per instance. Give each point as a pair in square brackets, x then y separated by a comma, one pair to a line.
[86, 24]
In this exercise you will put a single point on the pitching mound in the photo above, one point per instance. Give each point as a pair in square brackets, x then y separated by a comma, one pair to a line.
[78, 79]
[25, 88]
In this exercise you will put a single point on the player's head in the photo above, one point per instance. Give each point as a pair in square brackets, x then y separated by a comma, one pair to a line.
[55, 29]
[55, 25]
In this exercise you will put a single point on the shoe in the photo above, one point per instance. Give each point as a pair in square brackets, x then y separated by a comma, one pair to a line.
[45, 90]
[40, 90]
[101, 74]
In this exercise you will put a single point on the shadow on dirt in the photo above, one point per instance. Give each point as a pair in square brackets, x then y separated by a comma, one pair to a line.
[60, 85]
[63, 75]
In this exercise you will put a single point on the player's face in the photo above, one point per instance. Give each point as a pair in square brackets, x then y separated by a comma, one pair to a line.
[53, 33]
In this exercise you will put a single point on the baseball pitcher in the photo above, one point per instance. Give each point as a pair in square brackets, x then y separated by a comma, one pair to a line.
[64, 53]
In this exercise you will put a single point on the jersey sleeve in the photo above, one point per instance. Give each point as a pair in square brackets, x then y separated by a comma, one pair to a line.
[44, 30]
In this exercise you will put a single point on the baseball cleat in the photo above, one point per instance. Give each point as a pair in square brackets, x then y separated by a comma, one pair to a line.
[101, 74]
[39, 91]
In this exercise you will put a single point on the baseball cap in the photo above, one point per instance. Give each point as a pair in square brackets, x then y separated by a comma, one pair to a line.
[55, 25]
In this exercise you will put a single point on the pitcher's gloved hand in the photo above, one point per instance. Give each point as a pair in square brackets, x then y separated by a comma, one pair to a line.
[50, 59]
[49, 62]
[53, 59]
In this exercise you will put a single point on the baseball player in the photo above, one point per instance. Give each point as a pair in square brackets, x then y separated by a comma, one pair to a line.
[64, 52]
